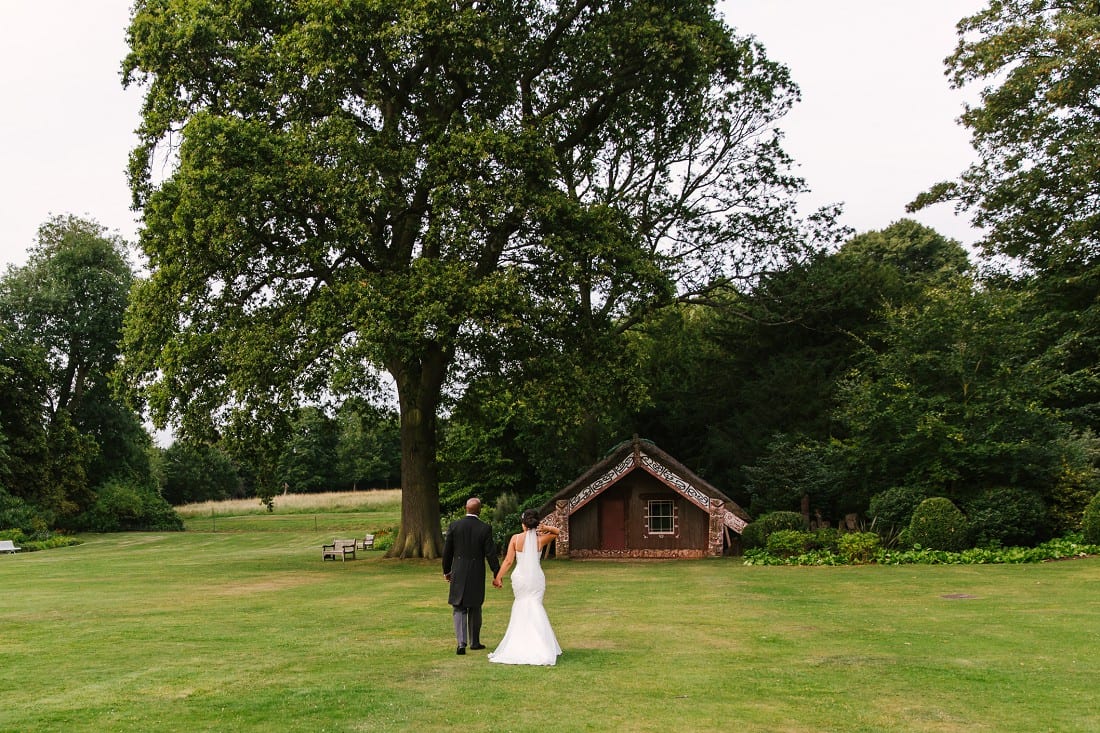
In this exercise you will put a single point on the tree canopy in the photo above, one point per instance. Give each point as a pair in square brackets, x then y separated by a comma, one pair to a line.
[400, 185]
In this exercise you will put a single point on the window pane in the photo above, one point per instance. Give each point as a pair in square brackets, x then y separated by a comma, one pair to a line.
[661, 517]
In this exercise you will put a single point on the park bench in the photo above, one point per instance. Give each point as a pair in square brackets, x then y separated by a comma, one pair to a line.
[8, 546]
[367, 543]
[339, 549]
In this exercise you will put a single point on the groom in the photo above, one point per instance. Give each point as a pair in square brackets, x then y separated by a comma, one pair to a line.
[468, 546]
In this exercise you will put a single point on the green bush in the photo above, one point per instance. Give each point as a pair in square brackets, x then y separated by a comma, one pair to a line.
[825, 538]
[756, 533]
[894, 507]
[1008, 516]
[1090, 521]
[752, 536]
[14, 512]
[383, 539]
[123, 505]
[858, 547]
[788, 542]
[937, 524]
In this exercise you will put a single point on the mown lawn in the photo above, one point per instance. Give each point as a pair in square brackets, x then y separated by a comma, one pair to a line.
[248, 630]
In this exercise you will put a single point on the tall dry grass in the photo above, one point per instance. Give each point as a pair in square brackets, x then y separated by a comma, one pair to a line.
[329, 501]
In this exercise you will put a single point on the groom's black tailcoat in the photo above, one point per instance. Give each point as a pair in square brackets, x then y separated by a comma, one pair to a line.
[469, 544]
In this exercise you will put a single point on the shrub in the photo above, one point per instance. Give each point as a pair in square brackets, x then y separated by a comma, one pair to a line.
[1090, 521]
[1008, 516]
[752, 536]
[937, 524]
[383, 539]
[122, 505]
[14, 512]
[824, 539]
[788, 542]
[858, 547]
[756, 533]
[894, 507]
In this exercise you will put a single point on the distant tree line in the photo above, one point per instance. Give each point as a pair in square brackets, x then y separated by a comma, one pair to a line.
[863, 380]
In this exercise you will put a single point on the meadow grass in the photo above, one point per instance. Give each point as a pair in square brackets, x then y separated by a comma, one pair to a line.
[348, 511]
[249, 630]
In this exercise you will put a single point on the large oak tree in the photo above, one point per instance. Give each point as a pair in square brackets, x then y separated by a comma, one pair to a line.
[334, 190]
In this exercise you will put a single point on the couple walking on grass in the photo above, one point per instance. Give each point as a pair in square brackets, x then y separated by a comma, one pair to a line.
[468, 546]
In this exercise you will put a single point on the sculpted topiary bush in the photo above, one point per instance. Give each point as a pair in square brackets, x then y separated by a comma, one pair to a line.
[1090, 522]
[937, 524]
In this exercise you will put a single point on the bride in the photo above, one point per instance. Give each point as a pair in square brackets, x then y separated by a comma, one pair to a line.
[529, 638]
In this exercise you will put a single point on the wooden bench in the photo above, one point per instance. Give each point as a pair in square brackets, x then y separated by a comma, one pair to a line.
[339, 549]
[367, 543]
[9, 547]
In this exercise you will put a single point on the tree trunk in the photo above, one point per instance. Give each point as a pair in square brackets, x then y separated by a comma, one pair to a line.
[418, 390]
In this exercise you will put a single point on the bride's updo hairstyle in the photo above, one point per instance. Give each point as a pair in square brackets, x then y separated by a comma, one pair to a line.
[530, 519]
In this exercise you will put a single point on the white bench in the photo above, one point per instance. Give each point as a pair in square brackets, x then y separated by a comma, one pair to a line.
[9, 547]
[339, 549]
[367, 543]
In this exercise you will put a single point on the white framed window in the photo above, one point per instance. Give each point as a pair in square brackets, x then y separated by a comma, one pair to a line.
[661, 517]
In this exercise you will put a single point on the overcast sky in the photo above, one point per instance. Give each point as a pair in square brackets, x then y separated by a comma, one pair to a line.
[877, 124]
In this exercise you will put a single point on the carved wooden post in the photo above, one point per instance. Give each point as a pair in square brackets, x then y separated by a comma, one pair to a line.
[562, 542]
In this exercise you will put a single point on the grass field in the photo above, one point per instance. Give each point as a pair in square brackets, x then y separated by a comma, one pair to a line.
[245, 629]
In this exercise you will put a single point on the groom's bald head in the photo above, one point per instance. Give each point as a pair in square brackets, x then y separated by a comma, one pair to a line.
[473, 506]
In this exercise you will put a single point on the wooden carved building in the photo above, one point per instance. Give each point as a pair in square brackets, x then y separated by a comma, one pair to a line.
[640, 502]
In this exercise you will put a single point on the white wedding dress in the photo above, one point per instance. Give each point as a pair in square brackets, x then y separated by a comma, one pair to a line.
[529, 638]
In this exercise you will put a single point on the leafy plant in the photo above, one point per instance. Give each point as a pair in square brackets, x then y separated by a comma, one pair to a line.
[788, 542]
[1008, 516]
[938, 524]
[858, 547]
[1090, 522]
[894, 507]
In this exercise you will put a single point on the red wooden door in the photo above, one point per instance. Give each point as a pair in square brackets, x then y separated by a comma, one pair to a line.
[613, 523]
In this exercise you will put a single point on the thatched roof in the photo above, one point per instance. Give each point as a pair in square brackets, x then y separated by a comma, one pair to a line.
[641, 454]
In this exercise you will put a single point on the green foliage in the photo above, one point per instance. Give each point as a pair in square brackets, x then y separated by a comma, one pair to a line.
[756, 533]
[787, 542]
[825, 538]
[64, 430]
[1034, 129]
[858, 547]
[435, 190]
[1032, 187]
[17, 513]
[894, 507]
[196, 471]
[1078, 481]
[1063, 548]
[1008, 516]
[368, 446]
[309, 461]
[1090, 521]
[383, 539]
[726, 380]
[788, 470]
[937, 524]
[127, 506]
[951, 401]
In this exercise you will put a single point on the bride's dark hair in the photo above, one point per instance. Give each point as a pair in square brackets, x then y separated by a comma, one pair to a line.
[530, 519]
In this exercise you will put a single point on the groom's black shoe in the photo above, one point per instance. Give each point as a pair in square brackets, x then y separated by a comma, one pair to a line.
[460, 650]
[477, 646]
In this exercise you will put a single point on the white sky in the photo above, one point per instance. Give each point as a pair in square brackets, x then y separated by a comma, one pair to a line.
[876, 125]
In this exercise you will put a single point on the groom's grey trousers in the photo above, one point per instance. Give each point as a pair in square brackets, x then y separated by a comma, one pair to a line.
[467, 618]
